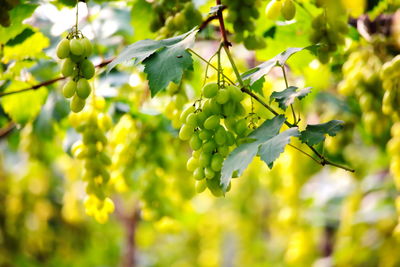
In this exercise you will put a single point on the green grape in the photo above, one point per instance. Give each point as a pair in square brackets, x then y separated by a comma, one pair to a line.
[211, 122]
[76, 59]
[288, 9]
[235, 93]
[76, 47]
[83, 88]
[192, 164]
[223, 150]
[69, 89]
[215, 107]
[185, 113]
[209, 173]
[216, 162]
[87, 69]
[209, 146]
[198, 173]
[210, 90]
[77, 103]
[195, 142]
[273, 9]
[87, 46]
[215, 187]
[222, 96]
[191, 119]
[229, 109]
[62, 49]
[204, 159]
[201, 186]
[220, 136]
[241, 127]
[67, 67]
[205, 134]
[186, 132]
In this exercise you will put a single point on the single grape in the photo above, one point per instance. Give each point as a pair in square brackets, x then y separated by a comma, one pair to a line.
[210, 90]
[62, 49]
[83, 88]
[69, 89]
[77, 104]
[76, 47]
[67, 67]
[87, 69]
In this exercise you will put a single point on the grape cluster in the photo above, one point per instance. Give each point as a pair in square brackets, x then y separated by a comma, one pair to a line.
[329, 31]
[212, 130]
[391, 85]
[242, 14]
[393, 148]
[5, 7]
[174, 17]
[361, 78]
[93, 124]
[75, 50]
[286, 8]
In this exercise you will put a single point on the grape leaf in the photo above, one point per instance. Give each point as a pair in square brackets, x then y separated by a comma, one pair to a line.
[17, 15]
[264, 68]
[168, 64]
[286, 97]
[270, 150]
[23, 107]
[141, 50]
[315, 134]
[265, 141]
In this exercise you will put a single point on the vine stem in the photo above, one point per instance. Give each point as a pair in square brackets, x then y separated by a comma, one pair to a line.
[287, 86]
[323, 161]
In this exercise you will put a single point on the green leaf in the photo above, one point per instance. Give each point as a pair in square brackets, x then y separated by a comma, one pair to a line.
[315, 134]
[264, 68]
[17, 15]
[286, 97]
[168, 64]
[270, 150]
[23, 107]
[141, 50]
[238, 160]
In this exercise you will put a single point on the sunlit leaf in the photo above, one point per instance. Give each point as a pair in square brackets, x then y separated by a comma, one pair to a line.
[286, 97]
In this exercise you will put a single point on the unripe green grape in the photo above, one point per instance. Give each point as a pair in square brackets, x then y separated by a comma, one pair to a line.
[229, 109]
[104, 158]
[62, 49]
[69, 89]
[214, 186]
[205, 134]
[201, 118]
[220, 136]
[215, 107]
[223, 150]
[273, 9]
[222, 96]
[204, 159]
[87, 69]
[209, 173]
[87, 46]
[83, 88]
[230, 139]
[77, 104]
[198, 173]
[186, 132]
[235, 93]
[216, 162]
[207, 109]
[211, 122]
[76, 47]
[288, 9]
[210, 90]
[185, 113]
[192, 164]
[239, 109]
[67, 67]
[209, 146]
[195, 142]
[201, 186]
[191, 119]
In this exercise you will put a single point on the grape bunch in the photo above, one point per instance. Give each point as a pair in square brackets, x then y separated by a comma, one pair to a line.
[175, 106]
[242, 14]
[173, 17]
[286, 8]
[393, 149]
[328, 30]
[391, 85]
[212, 130]
[93, 125]
[5, 7]
[75, 50]
[361, 79]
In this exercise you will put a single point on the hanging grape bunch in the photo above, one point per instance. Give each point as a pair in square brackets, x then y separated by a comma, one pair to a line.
[212, 130]
[93, 124]
[242, 14]
[391, 85]
[328, 29]
[74, 50]
[173, 17]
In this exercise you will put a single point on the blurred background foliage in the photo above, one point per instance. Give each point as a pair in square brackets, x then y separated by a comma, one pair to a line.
[297, 214]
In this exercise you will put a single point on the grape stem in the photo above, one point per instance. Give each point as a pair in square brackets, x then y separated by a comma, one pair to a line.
[322, 160]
